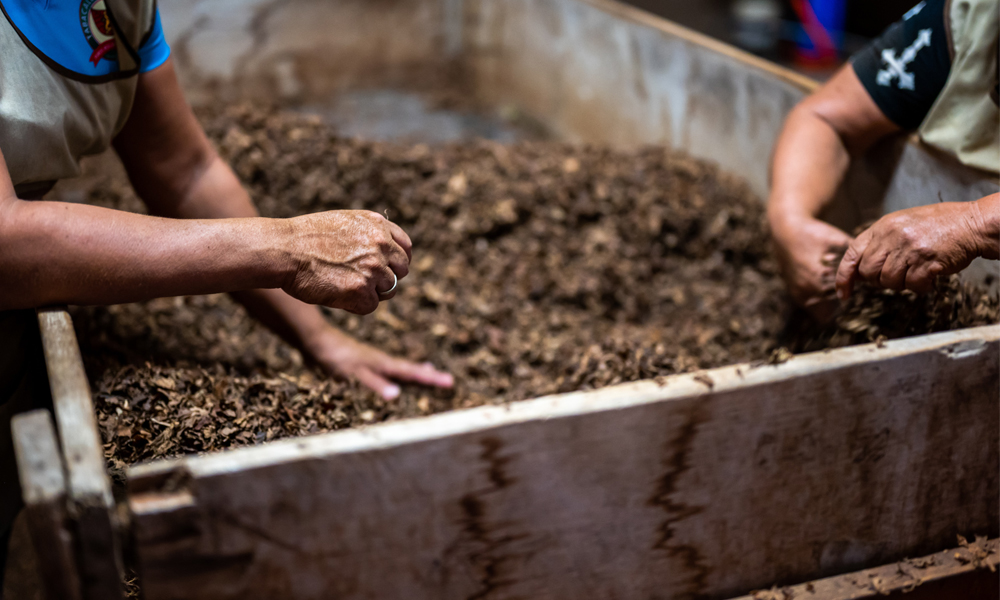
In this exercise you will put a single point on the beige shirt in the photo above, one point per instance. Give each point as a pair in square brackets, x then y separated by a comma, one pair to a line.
[965, 120]
[51, 117]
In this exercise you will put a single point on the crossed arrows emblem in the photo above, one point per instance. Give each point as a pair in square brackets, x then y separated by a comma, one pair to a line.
[896, 67]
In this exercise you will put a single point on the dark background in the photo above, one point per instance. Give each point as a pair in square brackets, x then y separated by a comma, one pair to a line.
[864, 20]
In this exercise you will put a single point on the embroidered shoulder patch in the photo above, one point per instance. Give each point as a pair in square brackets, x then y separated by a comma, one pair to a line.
[97, 28]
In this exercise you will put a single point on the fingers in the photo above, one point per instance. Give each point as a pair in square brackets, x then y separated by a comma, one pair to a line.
[809, 251]
[400, 237]
[363, 302]
[889, 266]
[375, 378]
[892, 276]
[398, 249]
[387, 284]
[424, 373]
[847, 273]
[375, 382]
[921, 278]
[870, 267]
[398, 261]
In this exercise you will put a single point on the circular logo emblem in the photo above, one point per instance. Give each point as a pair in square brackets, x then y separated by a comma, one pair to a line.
[97, 28]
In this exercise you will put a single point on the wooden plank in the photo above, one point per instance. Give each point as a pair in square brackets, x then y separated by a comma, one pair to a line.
[89, 488]
[43, 486]
[708, 484]
[968, 572]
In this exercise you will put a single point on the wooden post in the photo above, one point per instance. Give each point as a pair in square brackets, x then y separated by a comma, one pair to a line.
[43, 486]
[91, 502]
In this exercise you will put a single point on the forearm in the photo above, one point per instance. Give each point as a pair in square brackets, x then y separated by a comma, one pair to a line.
[217, 193]
[55, 253]
[989, 226]
[810, 162]
[822, 134]
[296, 322]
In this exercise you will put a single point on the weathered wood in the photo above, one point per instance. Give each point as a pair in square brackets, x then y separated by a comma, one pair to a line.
[710, 484]
[43, 486]
[88, 485]
[967, 573]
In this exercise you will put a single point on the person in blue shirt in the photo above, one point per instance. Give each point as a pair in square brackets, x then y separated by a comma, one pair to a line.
[78, 76]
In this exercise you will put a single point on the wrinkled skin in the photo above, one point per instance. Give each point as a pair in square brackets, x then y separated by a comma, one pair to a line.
[352, 269]
[910, 248]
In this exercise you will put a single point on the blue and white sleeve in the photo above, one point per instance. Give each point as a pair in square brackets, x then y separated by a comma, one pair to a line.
[153, 51]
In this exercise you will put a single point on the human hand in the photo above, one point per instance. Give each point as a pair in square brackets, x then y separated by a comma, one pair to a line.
[347, 259]
[346, 357]
[808, 250]
[909, 249]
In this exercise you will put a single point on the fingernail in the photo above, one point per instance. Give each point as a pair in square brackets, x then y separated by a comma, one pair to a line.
[390, 392]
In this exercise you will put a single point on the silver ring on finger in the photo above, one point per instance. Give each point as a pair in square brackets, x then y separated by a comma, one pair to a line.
[395, 282]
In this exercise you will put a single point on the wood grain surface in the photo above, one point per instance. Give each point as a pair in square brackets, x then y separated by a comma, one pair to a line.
[88, 486]
[702, 485]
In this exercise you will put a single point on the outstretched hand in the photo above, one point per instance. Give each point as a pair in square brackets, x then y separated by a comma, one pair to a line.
[344, 356]
[910, 248]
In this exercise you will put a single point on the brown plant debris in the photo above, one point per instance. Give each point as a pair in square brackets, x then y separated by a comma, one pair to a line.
[539, 267]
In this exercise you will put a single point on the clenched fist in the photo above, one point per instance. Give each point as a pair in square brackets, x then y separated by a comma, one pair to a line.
[348, 259]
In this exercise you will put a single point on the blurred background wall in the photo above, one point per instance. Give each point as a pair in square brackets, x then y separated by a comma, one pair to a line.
[776, 30]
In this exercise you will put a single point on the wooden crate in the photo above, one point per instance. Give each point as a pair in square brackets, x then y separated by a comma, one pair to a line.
[703, 485]
[699, 486]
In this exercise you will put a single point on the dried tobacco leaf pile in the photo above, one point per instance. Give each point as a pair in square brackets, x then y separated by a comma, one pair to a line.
[539, 267]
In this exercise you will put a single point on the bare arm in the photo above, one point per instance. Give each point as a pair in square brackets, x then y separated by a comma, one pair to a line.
[176, 171]
[54, 252]
[811, 158]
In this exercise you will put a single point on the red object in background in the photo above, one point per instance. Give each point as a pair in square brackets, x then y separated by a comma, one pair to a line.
[821, 49]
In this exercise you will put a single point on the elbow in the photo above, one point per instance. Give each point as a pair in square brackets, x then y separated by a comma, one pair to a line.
[165, 180]
[17, 276]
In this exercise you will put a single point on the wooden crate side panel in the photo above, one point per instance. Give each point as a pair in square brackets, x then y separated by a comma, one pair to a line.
[796, 474]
